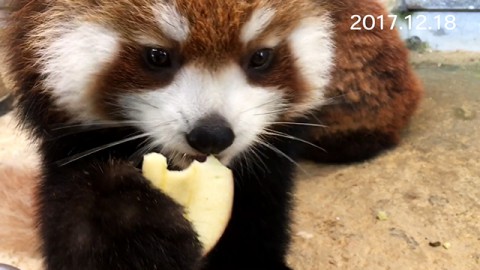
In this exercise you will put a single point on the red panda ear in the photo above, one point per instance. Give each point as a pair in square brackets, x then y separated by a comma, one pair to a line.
[70, 63]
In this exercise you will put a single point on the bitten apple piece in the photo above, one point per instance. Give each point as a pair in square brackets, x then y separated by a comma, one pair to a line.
[205, 190]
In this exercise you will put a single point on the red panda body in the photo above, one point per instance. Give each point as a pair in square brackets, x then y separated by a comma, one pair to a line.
[100, 83]
[373, 90]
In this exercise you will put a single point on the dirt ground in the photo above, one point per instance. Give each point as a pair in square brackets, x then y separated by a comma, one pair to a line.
[415, 207]
[429, 187]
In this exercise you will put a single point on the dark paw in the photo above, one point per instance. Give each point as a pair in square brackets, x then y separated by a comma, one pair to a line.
[113, 215]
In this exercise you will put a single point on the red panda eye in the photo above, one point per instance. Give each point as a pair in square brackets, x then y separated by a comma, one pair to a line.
[261, 59]
[158, 58]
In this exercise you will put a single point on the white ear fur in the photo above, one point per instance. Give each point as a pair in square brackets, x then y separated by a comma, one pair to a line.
[312, 46]
[258, 22]
[71, 60]
[173, 24]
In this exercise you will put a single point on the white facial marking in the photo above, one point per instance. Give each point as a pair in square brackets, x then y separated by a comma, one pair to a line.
[71, 61]
[173, 24]
[148, 41]
[258, 22]
[312, 45]
[196, 93]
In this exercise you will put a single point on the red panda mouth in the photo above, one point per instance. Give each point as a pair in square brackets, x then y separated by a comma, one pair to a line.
[191, 157]
[179, 161]
[176, 157]
[199, 158]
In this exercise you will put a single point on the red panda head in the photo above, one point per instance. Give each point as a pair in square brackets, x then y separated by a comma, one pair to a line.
[200, 77]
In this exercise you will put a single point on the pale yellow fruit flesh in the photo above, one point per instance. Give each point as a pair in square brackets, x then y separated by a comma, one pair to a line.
[205, 190]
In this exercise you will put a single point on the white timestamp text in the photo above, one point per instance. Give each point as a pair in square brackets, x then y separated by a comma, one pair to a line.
[389, 22]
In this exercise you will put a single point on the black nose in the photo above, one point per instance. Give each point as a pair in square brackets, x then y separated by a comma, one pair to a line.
[211, 135]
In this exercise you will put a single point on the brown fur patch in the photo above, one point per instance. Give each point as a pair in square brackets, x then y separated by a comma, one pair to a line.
[214, 29]
[373, 86]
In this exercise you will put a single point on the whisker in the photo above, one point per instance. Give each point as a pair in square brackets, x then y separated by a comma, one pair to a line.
[78, 156]
[146, 148]
[331, 100]
[183, 158]
[278, 151]
[263, 104]
[102, 124]
[243, 159]
[298, 124]
[284, 109]
[314, 116]
[273, 112]
[249, 165]
[140, 99]
[256, 154]
[146, 102]
[287, 136]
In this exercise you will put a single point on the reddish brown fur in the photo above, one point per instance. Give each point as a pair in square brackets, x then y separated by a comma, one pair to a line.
[212, 47]
[373, 89]
[372, 72]
[207, 46]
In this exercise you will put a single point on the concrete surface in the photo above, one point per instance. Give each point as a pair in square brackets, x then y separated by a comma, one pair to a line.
[443, 31]
[443, 4]
[427, 190]
[431, 23]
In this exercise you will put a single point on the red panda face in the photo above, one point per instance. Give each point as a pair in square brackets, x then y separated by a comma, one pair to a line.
[223, 70]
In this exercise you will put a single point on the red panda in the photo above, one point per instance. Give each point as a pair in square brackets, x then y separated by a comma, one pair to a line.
[100, 83]
[373, 90]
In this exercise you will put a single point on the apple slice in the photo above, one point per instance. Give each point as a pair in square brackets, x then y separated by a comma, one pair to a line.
[205, 190]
